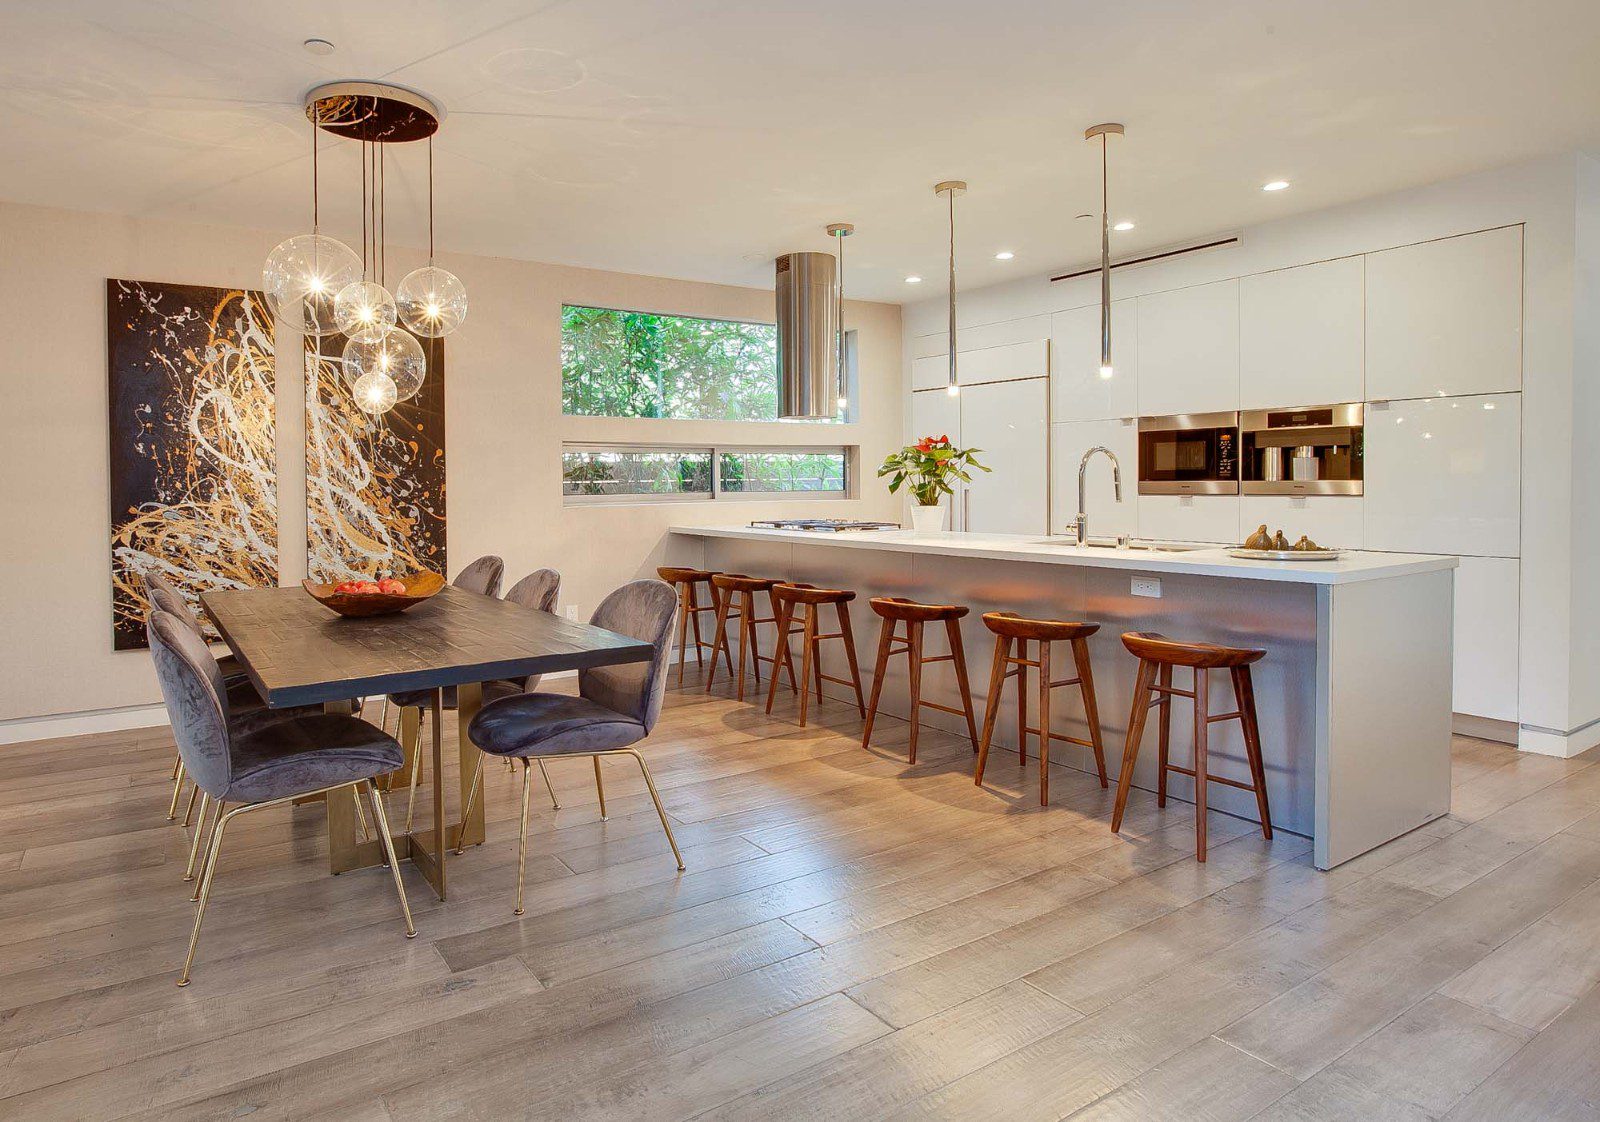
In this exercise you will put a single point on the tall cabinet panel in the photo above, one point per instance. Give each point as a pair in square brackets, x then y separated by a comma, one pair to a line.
[1079, 392]
[1486, 637]
[1010, 422]
[1300, 336]
[1189, 350]
[1445, 317]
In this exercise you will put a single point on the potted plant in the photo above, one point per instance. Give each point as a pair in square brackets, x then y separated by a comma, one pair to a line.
[928, 468]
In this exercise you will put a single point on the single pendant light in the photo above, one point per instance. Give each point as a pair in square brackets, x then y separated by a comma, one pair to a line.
[839, 231]
[951, 188]
[1103, 131]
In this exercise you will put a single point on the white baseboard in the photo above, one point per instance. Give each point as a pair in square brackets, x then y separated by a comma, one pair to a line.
[1551, 742]
[20, 729]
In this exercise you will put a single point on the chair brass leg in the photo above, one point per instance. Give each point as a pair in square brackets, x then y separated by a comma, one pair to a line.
[206, 880]
[383, 716]
[219, 809]
[660, 810]
[472, 795]
[549, 786]
[600, 788]
[177, 789]
[177, 769]
[188, 812]
[416, 772]
[388, 849]
[522, 836]
[194, 844]
[361, 820]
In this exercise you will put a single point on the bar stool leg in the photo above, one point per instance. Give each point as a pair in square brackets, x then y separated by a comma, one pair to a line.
[772, 602]
[1091, 708]
[780, 651]
[915, 673]
[1202, 727]
[850, 653]
[748, 641]
[991, 709]
[694, 622]
[1130, 751]
[815, 650]
[880, 667]
[1044, 722]
[952, 628]
[1165, 679]
[1022, 703]
[1244, 692]
[808, 654]
[685, 593]
[721, 641]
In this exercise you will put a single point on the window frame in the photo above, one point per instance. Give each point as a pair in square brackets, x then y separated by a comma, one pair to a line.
[850, 452]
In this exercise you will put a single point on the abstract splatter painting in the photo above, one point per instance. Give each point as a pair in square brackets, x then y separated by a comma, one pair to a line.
[374, 484]
[194, 489]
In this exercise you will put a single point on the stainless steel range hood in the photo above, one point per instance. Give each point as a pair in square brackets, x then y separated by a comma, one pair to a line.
[808, 335]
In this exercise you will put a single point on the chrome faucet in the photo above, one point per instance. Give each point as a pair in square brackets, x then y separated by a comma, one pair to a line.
[1081, 523]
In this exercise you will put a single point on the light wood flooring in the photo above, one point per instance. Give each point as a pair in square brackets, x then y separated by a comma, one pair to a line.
[853, 938]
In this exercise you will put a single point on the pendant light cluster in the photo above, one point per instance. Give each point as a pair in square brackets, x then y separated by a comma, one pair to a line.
[319, 286]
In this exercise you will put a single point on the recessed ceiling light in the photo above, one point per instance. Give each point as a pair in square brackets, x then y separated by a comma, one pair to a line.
[913, 280]
[318, 47]
[1004, 255]
[1123, 226]
[1275, 185]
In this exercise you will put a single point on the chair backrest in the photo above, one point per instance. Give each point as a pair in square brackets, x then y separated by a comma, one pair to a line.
[641, 609]
[539, 591]
[155, 582]
[166, 600]
[197, 703]
[482, 576]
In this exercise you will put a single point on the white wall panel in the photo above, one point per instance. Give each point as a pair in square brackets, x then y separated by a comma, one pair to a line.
[1300, 336]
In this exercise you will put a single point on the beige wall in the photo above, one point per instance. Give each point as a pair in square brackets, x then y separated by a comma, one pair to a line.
[504, 430]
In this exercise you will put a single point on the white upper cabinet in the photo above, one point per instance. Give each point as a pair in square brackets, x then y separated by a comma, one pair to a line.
[1078, 391]
[1107, 517]
[1189, 350]
[1030, 359]
[1010, 422]
[1443, 475]
[1300, 339]
[1444, 318]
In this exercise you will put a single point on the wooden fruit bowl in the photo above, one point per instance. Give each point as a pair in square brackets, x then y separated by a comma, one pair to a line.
[419, 587]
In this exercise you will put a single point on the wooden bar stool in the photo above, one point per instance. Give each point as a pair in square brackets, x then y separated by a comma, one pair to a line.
[736, 599]
[786, 599]
[896, 610]
[1157, 656]
[690, 609]
[1008, 628]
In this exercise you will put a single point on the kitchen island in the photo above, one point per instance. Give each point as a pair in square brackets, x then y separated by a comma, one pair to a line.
[1354, 694]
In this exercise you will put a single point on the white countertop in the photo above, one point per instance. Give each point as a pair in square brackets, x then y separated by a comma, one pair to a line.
[1210, 561]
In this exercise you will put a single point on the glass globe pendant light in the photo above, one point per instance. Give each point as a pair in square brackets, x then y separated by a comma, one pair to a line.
[374, 393]
[432, 301]
[364, 311]
[396, 356]
[303, 275]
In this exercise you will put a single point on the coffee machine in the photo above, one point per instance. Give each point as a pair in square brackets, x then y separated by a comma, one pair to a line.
[1310, 451]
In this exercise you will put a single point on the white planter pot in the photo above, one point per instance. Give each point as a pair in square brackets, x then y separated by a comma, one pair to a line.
[927, 519]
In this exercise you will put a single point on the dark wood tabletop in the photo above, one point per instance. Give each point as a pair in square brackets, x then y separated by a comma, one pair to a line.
[298, 652]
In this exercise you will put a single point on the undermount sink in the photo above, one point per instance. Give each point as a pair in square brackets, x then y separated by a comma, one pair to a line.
[1065, 541]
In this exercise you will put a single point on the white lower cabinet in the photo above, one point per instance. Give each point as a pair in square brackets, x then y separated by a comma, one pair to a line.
[1107, 517]
[1487, 635]
[1190, 518]
[1010, 423]
[1331, 520]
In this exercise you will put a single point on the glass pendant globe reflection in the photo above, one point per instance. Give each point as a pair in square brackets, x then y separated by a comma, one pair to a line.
[302, 278]
[374, 393]
[397, 356]
[432, 301]
[364, 311]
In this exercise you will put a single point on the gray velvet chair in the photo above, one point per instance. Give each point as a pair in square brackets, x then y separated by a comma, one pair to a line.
[616, 706]
[270, 765]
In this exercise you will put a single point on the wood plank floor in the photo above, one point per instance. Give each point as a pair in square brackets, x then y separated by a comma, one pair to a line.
[853, 937]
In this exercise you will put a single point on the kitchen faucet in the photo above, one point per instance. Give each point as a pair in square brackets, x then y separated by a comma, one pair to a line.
[1081, 523]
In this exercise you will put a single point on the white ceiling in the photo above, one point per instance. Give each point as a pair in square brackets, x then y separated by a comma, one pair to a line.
[699, 138]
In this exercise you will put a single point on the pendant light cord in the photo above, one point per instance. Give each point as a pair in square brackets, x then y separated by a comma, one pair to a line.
[430, 200]
[316, 216]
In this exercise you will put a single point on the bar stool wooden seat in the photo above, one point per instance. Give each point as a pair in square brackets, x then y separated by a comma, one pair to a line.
[1008, 628]
[896, 610]
[686, 582]
[736, 599]
[1157, 656]
[790, 599]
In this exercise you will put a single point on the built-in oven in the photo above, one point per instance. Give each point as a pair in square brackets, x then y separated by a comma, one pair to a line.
[1191, 454]
[1312, 451]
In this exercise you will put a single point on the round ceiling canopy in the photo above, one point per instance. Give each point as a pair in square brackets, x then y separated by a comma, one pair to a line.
[376, 112]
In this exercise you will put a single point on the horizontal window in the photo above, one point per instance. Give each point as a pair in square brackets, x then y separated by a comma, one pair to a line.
[644, 364]
[635, 473]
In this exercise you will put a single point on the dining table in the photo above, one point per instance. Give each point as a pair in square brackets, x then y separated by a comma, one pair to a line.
[297, 652]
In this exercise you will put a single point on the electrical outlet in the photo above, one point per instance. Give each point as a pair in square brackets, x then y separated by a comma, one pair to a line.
[1147, 586]
[572, 610]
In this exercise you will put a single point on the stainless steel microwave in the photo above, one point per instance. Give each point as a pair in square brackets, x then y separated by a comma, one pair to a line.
[1189, 454]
